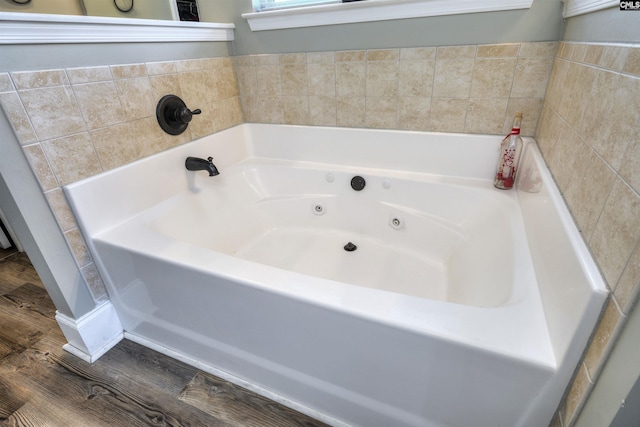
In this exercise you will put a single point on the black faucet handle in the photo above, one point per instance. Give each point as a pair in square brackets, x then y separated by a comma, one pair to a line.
[196, 111]
[210, 159]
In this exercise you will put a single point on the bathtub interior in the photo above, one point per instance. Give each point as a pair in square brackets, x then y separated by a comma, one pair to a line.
[535, 329]
[414, 235]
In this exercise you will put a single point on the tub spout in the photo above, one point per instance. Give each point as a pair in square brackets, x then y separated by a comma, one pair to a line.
[198, 164]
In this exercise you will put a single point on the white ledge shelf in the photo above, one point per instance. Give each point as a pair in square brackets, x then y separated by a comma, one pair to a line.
[373, 10]
[32, 28]
[581, 7]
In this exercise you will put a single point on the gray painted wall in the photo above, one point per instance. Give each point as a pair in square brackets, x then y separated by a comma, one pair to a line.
[543, 22]
[609, 25]
[45, 57]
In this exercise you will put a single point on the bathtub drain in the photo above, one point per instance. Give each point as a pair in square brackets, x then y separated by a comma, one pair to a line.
[350, 247]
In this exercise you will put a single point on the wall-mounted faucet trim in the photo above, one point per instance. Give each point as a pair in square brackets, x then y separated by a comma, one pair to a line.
[173, 115]
[198, 164]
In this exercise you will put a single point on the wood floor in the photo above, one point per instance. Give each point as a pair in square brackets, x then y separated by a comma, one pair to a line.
[42, 385]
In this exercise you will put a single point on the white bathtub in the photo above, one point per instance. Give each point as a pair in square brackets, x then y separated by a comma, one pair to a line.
[462, 304]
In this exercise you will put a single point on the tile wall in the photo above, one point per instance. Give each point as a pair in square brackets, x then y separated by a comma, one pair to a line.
[589, 136]
[471, 89]
[77, 122]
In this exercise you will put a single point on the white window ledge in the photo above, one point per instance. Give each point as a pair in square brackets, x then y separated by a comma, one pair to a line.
[581, 7]
[32, 28]
[373, 10]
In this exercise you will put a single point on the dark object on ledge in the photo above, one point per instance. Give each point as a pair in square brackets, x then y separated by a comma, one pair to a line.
[198, 164]
[173, 115]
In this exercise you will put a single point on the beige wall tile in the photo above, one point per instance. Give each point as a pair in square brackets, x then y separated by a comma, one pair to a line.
[498, 50]
[593, 54]
[321, 57]
[89, 74]
[78, 247]
[577, 394]
[452, 78]
[251, 108]
[40, 166]
[296, 109]
[578, 52]
[627, 289]
[417, 53]
[350, 55]
[128, 71]
[136, 98]
[247, 80]
[267, 59]
[228, 83]
[382, 79]
[630, 169]
[292, 58]
[39, 79]
[486, 115]
[201, 125]
[547, 49]
[322, 110]
[99, 104]
[268, 78]
[632, 63]
[114, 145]
[53, 111]
[187, 65]
[322, 79]
[622, 119]
[531, 77]
[381, 112]
[271, 109]
[587, 199]
[414, 112]
[72, 158]
[415, 78]
[456, 52]
[294, 79]
[93, 280]
[602, 339]
[617, 231]
[147, 136]
[17, 115]
[160, 68]
[351, 112]
[167, 84]
[614, 57]
[244, 60]
[570, 160]
[61, 209]
[383, 54]
[492, 78]
[448, 115]
[350, 79]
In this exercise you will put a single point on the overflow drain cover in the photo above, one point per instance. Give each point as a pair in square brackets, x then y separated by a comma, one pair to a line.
[350, 247]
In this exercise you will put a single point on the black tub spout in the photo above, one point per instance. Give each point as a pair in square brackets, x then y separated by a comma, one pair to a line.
[198, 164]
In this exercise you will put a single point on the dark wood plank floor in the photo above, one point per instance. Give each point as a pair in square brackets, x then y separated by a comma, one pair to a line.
[42, 385]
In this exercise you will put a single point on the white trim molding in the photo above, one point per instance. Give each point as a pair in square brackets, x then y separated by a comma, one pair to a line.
[373, 10]
[93, 334]
[35, 28]
[581, 7]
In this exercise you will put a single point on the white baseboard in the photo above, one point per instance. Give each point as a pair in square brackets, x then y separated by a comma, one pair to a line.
[93, 334]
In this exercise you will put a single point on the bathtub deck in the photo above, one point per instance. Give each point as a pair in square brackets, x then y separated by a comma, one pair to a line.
[40, 384]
